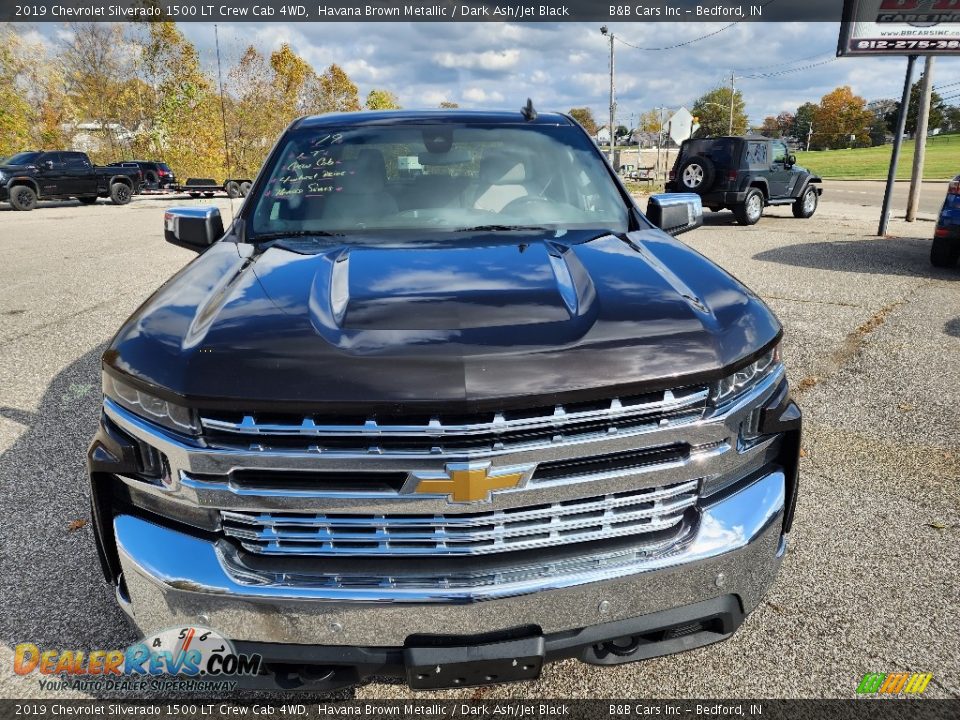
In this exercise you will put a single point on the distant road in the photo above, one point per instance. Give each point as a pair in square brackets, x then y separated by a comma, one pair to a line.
[869, 193]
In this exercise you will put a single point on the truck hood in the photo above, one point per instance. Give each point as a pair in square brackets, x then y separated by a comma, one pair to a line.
[488, 320]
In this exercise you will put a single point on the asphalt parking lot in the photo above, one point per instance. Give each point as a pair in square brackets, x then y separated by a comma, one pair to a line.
[870, 581]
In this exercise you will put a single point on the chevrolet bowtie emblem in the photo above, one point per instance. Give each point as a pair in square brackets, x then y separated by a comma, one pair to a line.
[471, 482]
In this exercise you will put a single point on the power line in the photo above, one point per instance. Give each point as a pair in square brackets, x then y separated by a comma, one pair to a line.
[817, 56]
[786, 72]
[678, 45]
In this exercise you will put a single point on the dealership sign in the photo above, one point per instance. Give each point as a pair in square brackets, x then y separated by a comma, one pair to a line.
[900, 27]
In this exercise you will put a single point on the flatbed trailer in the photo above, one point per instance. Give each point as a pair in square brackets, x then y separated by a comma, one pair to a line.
[208, 187]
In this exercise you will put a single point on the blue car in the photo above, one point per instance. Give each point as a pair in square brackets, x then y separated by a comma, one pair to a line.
[946, 238]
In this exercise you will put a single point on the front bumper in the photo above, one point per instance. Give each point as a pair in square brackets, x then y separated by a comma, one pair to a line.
[173, 578]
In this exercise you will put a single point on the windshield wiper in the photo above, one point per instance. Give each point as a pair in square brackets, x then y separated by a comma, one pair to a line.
[502, 228]
[265, 237]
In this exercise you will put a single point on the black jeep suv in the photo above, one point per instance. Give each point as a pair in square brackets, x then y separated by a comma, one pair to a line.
[744, 174]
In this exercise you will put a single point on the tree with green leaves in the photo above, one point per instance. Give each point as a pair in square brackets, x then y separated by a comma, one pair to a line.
[584, 116]
[802, 121]
[878, 131]
[382, 100]
[937, 109]
[713, 109]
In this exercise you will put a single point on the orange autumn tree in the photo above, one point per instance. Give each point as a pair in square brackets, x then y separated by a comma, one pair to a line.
[841, 120]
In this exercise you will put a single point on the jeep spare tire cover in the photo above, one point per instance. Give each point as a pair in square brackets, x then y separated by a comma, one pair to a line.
[696, 174]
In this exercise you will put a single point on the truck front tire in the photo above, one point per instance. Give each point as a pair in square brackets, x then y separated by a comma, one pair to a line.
[120, 193]
[23, 198]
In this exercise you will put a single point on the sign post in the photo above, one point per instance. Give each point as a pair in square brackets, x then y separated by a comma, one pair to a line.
[897, 141]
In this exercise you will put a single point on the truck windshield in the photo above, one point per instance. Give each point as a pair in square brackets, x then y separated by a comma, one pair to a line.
[437, 178]
[24, 158]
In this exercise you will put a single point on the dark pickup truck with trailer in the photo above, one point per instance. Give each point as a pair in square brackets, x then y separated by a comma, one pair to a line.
[27, 177]
[445, 426]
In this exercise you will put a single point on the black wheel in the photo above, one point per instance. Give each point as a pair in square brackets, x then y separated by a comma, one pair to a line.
[806, 205]
[194, 194]
[750, 212]
[89, 200]
[244, 188]
[696, 175]
[23, 198]
[151, 179]
[120, 193]
[944, 253]
[233, 189]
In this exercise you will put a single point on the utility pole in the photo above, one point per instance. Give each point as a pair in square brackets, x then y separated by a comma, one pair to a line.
[809, 135]
[732, 95]
[920, 141]
[613, 105]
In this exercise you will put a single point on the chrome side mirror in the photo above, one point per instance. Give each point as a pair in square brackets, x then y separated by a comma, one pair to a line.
[675, 213]
[192, 228]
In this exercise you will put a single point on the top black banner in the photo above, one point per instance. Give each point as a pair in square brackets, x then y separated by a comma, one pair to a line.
[718, 11]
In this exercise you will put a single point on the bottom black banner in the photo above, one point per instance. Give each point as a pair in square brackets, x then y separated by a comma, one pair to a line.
[855, 709]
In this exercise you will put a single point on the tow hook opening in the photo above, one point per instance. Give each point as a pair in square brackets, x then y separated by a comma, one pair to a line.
[650, 644]
[304, 676]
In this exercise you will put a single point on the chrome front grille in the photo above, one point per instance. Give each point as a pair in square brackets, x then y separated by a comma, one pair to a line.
[472, 435]
[633, 513]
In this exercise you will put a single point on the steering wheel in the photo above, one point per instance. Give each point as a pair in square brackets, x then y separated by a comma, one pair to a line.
[525, 201]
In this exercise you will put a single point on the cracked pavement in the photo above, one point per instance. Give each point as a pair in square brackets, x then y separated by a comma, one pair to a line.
[870, 581]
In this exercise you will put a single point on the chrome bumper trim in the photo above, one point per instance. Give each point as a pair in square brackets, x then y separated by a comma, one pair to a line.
[173, 577]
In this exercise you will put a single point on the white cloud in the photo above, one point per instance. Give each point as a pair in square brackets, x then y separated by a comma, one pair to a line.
[479, 96]
[489, 60]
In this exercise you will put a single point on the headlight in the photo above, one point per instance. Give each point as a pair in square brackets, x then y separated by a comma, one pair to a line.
[149, 407]
[735, 385]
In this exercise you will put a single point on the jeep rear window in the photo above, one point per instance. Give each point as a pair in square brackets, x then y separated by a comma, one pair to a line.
[439, 177]
[720, 151]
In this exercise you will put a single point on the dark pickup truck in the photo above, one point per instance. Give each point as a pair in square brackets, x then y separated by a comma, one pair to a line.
[28, 177]
[445, 426]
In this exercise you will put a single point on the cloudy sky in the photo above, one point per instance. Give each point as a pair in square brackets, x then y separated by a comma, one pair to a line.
[564, 65]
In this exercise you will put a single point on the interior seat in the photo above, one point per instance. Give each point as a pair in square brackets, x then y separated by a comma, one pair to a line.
[363, 191]
[502, 179]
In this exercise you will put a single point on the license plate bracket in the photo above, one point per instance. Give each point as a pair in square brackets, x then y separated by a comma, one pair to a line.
[434, 668]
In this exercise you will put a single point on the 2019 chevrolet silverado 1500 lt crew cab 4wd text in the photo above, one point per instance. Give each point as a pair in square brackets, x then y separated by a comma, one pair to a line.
[446, 425]
[30, 176]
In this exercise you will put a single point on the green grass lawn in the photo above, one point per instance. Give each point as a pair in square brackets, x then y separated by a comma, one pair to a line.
[942, 160]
